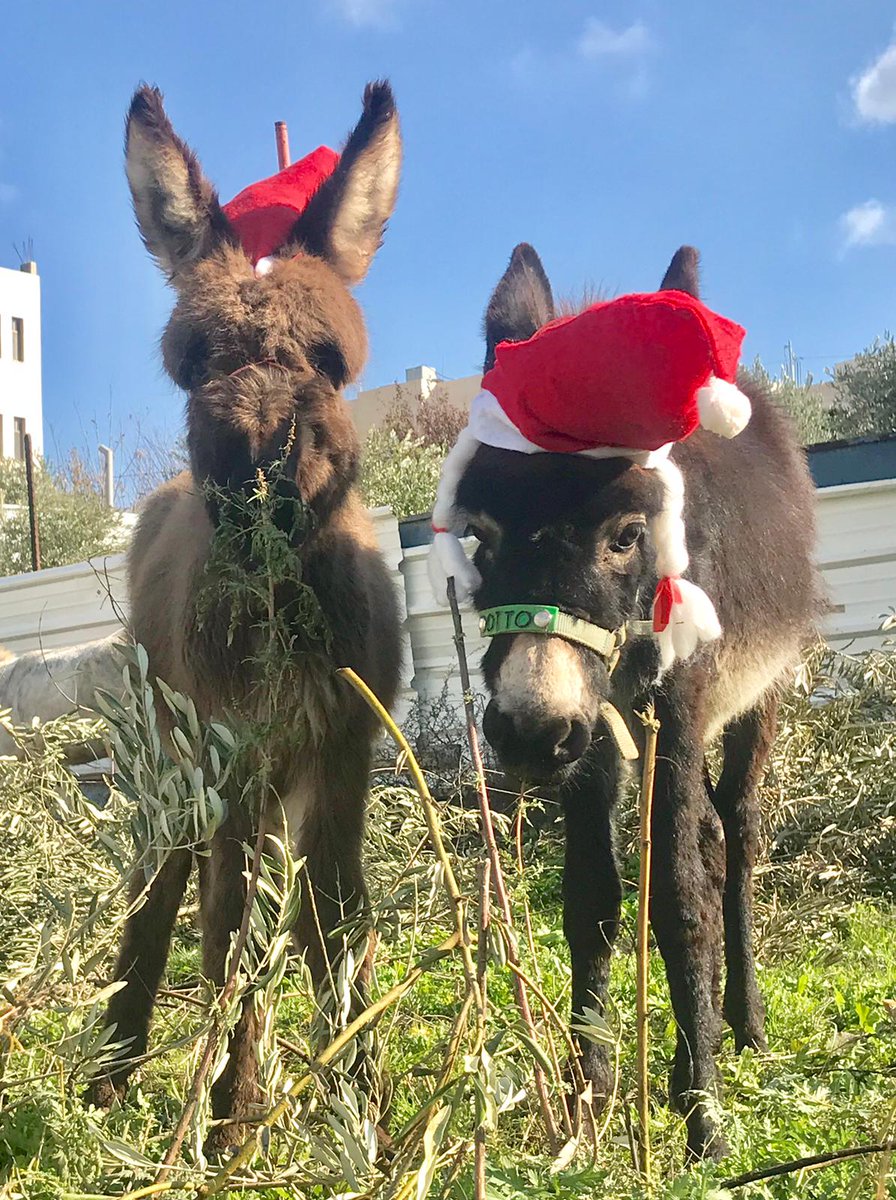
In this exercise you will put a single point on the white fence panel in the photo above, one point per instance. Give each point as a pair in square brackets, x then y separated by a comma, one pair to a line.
[63, 605]
[857, 555]
[432, 632]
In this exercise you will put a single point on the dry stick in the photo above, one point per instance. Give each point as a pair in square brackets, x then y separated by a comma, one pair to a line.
[651, 727]
[488, 834]
[804, 1164]
[331, 1051]
[211, 1043]
[433, 825]
[481, 971]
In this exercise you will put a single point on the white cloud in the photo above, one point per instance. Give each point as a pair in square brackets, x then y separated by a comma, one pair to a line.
[869, 224]
[624, 56]
[598, 40]
[874, 91]
[366, 12]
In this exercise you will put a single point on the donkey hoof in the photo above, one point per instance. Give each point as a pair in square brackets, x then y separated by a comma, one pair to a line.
[104, 1091]
[223, 1141]
[598, 1075]
[705, 1143]
[750, 1039]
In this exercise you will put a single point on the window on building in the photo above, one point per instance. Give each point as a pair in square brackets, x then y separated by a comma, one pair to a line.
[18, 339]
[18, 438]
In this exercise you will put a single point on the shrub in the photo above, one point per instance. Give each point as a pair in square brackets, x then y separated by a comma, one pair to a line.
[74, 521]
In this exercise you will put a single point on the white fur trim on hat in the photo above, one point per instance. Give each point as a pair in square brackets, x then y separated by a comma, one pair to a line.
[693, 620]
[448, 560]
[693, 617]
[723, 407]
[447, 557]
[491, 425]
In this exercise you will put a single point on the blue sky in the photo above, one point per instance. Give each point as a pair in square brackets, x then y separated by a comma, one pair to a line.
[606, 134]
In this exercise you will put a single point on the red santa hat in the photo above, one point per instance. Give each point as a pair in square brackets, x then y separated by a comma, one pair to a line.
[624, 378]
[264, 213]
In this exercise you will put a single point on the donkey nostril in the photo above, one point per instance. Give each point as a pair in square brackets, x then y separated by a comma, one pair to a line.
[574, 743]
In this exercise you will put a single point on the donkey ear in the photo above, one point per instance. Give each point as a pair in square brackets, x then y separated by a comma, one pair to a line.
[346, 217]
[520, 304]
[683, 274]
[177, 209]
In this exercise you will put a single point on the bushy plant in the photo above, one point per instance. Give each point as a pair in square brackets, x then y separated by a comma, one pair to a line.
[811, 417]
[402, 472]
[74, 522]
[865, 388]
[402, 457]
[827, 968]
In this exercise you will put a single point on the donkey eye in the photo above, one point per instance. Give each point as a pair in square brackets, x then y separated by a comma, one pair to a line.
[628, 536]
[194, 362]
[326, 359]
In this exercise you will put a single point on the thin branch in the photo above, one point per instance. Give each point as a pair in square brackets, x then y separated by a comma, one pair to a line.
[481, 971]
[651, 728]
[807, 1164]
[498, 884]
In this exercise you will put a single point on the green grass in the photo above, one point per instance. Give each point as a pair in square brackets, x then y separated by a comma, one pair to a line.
[827, 968]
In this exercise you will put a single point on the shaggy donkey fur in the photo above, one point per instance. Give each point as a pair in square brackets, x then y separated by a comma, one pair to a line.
[263, 360]
[572, 531]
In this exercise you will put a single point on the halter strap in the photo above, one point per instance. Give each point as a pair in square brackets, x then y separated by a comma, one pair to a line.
[549, 619]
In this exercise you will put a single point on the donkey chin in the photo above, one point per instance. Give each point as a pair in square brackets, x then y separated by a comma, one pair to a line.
[545, 707]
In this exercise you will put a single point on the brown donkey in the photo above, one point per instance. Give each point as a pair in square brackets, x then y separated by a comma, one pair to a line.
[263, 356]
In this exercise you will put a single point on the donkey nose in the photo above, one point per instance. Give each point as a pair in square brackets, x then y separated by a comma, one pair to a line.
[538, 745]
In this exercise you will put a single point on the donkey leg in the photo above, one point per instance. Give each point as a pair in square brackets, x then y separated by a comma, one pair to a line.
[592, 894]
[328, 835]
[747, 742]
[686, 913]
[141, 962]
[223, 897]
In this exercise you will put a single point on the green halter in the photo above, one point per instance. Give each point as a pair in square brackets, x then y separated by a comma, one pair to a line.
[548, 618]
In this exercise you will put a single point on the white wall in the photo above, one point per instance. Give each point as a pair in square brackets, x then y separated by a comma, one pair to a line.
[20, 382]
[370, 407]
[857, 553]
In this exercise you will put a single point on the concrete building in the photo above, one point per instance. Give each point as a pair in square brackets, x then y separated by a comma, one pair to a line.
[21, 406]
[420, 383]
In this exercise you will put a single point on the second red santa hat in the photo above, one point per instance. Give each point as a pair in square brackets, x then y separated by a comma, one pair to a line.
[624, 378]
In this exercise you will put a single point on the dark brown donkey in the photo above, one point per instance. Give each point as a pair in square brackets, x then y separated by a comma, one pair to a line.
[263, 359]
[572, 531]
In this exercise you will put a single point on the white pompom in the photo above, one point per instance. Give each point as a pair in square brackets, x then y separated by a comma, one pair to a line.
[693, 620]
[448, 558]
[723, 407]
[264, 266]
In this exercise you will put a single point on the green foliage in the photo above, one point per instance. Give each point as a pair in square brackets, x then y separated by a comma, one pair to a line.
[402, 458]
[865, 388]
[826, 957]
[74, 522]
[402, 472]
[812, 418]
